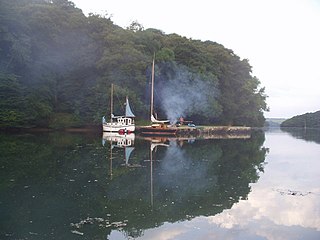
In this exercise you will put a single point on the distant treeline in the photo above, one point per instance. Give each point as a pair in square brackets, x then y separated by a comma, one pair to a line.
[57, 65]
[308, 120]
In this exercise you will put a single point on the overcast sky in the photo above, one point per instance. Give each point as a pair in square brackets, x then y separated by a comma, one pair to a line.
[281, 39]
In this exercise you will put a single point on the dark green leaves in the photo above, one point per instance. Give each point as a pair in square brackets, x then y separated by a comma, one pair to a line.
[67, 61]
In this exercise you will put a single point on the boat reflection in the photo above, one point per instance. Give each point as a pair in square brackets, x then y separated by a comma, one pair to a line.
[120, 140]
[182, 178]
[131, 184]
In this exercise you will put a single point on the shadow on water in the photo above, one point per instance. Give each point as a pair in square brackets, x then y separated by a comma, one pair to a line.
[308, 134]
[64, 185]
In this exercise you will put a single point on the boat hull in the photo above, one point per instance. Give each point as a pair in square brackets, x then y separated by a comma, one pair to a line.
[107, 127]
[158, 131]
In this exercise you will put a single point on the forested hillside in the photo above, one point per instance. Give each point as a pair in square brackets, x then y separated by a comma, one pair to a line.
[308, 120]
[57, 65]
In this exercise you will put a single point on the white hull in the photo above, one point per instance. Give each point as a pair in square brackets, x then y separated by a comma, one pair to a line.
[114, 127]
[119, 124]
[121, 140]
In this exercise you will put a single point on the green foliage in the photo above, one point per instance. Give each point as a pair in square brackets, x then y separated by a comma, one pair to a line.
[11, 101]
[54, 59]
[307, 120]
[165, 55]
[135, 26]
[63, 120]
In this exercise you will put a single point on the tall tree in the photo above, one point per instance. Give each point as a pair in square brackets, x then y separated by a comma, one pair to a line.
[61, 63]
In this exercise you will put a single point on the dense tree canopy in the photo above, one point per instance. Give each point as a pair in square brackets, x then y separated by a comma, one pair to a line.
[307, 120]
[57, 64]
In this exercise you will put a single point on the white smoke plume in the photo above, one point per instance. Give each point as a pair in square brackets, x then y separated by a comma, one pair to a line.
[186, 93]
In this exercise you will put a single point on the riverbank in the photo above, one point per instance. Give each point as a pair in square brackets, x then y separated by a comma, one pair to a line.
[182, 131]
[84, 129]
[210, 131]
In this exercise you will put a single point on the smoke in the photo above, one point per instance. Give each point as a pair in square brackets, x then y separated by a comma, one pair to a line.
[185, 93]
[180, 169]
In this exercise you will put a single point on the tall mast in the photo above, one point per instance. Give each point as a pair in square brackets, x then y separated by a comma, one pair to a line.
[111, 103]
[152, 87]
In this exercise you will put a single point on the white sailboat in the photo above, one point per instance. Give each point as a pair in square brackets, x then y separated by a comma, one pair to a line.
[120, 124]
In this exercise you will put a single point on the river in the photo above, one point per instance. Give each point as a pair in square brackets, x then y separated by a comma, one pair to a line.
[86, 186]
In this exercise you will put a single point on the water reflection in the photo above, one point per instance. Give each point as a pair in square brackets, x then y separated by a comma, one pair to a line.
[308, 134]
[184, 178]
[284, 203]
[65, 185]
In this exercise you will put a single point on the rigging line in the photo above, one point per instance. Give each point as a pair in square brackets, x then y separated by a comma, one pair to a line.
[117, 96]
[119, 102]
[156, 105]
[155, 92]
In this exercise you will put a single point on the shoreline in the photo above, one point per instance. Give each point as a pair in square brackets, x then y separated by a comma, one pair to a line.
[210, 131]
[87, 129]
[182, 131]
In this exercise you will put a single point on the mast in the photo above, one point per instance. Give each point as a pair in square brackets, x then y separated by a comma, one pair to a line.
[152, 117]
[152, 88]
[111, 103]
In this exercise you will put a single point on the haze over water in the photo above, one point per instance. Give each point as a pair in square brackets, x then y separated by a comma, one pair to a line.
[70, 186]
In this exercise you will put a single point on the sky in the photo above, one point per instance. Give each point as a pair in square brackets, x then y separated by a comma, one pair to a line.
[280, 38]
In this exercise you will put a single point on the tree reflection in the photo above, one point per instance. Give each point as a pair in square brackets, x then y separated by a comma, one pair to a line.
[308, 134]
[57, 186]
[189, 179]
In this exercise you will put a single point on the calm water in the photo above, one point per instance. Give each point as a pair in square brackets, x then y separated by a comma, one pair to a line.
[77, 186]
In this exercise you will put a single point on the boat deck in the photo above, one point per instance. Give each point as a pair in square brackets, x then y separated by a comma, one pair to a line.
[219, 131]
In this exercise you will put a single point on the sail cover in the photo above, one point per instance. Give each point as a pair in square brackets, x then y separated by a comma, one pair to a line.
[129, 112]
[154, 120]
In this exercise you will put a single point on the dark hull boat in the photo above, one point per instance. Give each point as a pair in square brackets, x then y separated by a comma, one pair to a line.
[158, 131]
